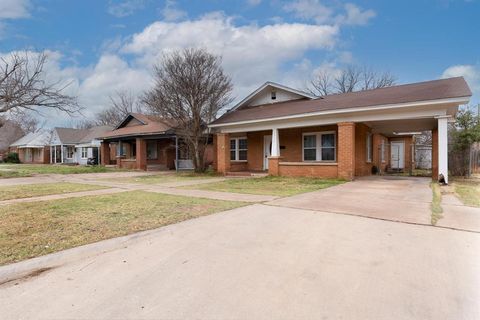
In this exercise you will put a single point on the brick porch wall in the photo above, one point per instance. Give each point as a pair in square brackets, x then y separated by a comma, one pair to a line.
[346, 150]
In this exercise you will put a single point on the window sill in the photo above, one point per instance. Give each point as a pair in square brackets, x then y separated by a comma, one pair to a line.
[238, 161]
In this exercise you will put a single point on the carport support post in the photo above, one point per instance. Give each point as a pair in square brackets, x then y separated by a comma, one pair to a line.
[176, 153]
[443, 147]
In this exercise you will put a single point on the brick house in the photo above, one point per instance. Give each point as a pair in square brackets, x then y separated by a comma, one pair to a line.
[291, 133]
[33, 147]
[146, 142]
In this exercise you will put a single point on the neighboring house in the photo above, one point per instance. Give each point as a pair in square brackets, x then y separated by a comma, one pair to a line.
[9, 133]
[340, 135]
[142, 141]
[33, 147]
[76, 146]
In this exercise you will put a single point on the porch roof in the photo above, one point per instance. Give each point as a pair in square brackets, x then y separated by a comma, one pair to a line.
[451, 88]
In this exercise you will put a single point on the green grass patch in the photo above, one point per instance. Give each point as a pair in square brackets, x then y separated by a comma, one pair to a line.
[276, 186]
[468, 191]
[32, 229]
[436, 206]
[165, 178]
[35, 190]
[28, 170]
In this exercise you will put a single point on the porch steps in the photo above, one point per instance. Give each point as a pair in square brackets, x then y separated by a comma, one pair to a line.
[246, 174]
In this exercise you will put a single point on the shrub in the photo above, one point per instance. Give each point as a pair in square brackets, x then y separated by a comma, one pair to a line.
[11, 157]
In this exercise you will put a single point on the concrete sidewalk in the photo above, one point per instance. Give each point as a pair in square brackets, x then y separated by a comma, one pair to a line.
[262, 262]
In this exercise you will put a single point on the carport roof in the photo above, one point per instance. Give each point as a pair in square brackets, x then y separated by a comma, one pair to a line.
[407, 93]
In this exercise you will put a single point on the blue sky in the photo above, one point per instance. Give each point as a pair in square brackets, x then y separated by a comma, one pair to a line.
[103, 46]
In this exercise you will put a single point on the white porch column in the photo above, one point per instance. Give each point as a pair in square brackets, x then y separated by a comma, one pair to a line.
[61, 153]
[275, 143]
[443, 147]
[55, 152]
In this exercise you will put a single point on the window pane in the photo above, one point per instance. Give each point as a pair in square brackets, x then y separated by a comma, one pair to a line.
[328, 140]
[232, 144]
[310, 154]
[232, 155]
[328, 154]
[242, 144]
[309, 141]
[242, 155]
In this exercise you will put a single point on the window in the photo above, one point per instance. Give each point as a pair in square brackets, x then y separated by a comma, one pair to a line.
[319, 146]
[84, 153]
[274, 95]
[238, 149]
[369, 147]
[151, 150]
[70, 152]
[382, 151]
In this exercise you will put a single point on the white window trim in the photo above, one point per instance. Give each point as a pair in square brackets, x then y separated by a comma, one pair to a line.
[318, 146]
[73, 152]
[369, 146]
[382, 151]
[237, 150]
[86, 153]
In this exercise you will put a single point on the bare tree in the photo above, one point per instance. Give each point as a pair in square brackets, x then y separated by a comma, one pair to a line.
[122, 103]
[23, 86]
[349, 80]
[190, 88]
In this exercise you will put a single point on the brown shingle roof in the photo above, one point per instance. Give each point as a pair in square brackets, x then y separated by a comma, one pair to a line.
[150, 125]
[70, 135]
[414, 92]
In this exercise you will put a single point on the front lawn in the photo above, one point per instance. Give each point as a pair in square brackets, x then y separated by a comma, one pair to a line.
[35, 190]
[36, 228]
[276, 186]
[27, 170]
[468, 190]
[169, 177]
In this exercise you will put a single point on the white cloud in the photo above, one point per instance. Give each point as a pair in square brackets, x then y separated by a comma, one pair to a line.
[310, 10]
[14, 9]
[123, 8]
[254, 3]
[355, 15]
[315, 10]
[171, 12]
[251, 54]
[471, 73]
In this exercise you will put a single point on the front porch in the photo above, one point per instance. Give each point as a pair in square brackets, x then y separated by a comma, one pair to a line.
[153, 153]
[342, 150]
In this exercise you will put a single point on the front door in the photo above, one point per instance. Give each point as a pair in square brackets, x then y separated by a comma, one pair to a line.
[267, 150]
[397, 151]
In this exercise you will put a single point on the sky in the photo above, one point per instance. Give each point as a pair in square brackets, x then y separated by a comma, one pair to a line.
[100, 47]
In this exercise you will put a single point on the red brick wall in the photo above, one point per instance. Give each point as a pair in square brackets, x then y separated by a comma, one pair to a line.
[324, 171]
[362, 167]
[346, 150]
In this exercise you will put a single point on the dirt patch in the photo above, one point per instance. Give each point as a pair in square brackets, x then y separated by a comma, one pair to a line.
[33, 274]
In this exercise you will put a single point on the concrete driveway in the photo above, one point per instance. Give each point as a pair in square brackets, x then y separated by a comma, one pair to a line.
[402, 199]
[264, 262]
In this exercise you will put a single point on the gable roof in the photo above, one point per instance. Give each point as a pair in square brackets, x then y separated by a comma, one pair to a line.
[71, 135]
[94, 132]
[37, 139]
[271, 84]
[407, 93]
[149, 125]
